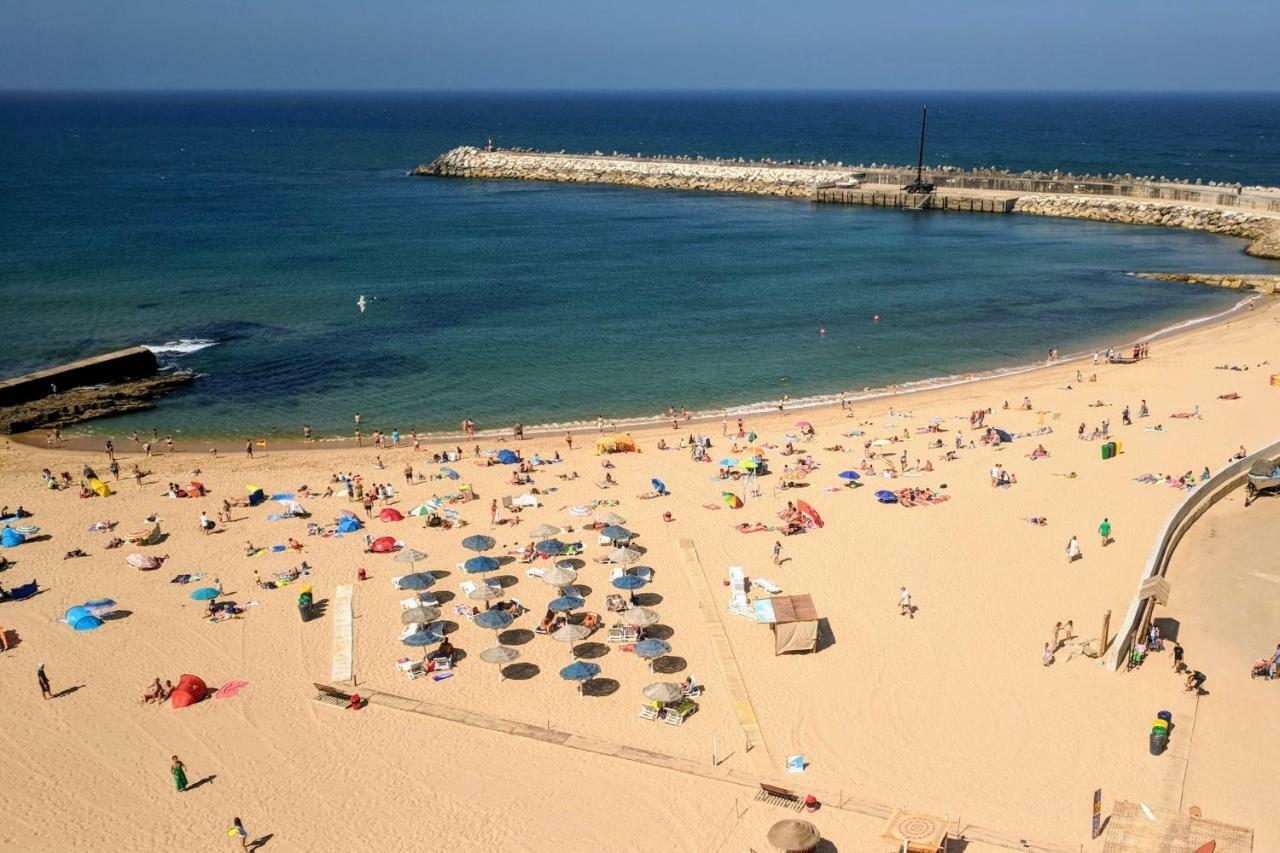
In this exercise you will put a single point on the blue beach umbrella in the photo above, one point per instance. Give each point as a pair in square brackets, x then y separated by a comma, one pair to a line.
[580, 671]
[849, 475]
[628, 582]
[477, 565]
[565, 603]
[652, 648]
[417, 580]
[87, 623]
[550, 547]
[450, 473]
[423, 638]
[495, 619]
[727, 462]
[616, 531]
[100, 604]
[658, 486]
[205, 593]
[886, 497]
[478, 542]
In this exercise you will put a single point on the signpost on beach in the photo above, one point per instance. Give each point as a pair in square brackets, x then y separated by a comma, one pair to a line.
[1097, 811]
[1106, 629]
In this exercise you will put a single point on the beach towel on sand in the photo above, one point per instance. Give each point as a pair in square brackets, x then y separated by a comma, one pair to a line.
[230, 689]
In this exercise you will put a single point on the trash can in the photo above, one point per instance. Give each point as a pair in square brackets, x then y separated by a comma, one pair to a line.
[1158, 742]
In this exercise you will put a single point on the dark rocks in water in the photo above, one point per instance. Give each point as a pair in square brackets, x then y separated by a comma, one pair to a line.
[83, 404]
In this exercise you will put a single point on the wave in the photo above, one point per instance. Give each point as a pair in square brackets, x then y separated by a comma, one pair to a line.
[182, 346]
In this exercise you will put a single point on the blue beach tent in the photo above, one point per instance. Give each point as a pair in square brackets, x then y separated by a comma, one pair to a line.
[11, 538]
[348, 524]
[507, 457]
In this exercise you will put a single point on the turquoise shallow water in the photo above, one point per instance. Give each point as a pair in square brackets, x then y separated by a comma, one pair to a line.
[237, 233]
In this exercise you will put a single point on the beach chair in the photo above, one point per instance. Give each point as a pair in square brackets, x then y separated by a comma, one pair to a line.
[411, 629]
[412, 669]
[535, 573]
[676, 716]
[738, 603]
[643, 572]
[694, 690]
[617, 573]
[648, 712]
[623, 634]
[767, 585]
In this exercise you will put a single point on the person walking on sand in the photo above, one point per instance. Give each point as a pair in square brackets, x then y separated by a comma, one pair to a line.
[1104, 530]
[568, 439]
[237, 832]
[1046, 656]
[44, 682]
[1073, 549]
[1057, 630]
[777, 552]
[179, 771]
[248, 448]
[493, 513]
[904, 603]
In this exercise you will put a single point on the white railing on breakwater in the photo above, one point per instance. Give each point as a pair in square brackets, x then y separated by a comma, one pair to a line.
[1179, 522]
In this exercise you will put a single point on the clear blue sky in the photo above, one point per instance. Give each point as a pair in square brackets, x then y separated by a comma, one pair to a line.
[695, 44]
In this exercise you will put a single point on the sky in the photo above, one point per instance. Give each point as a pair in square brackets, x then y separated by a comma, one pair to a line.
[1175, 45]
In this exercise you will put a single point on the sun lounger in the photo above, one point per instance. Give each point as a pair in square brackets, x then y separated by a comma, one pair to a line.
[623, 634]
[767, 585]
[412, 669]
[643, 572]
[535, 572]
[694, 690]
[422, 599]
[411, 629]
[648, 712]
[738, 603]
[677, 715]
[617, 573]
[469, 586]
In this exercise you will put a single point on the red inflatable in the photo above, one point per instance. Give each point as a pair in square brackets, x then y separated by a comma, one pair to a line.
[391, 514]
[383, 545]
[189, 691]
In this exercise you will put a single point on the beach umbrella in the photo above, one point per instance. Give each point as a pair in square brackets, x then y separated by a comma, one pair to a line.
[500, 656]
[658, 486]
[794, 836]
[419, 614]
[478, 542]
[205, 593]
[417, 580]
[98, 606]
[849, 475]
[559, 576]
[628, 582]
[625, 556]
[803, 424]
[478, 565]
[580, 671]
[727, 462]
[731, 500]
[570, 634]
[886, 497]
[616, 532]
[410, 556]
[142, 561]
[640, 617]
[27, 529]
[86, 623]
[610, 518]
[450, 473]
[809, 511]
[751, 436]
[664, 692]
[749, 464]
[652, 648]
[424, 509]
[423, 638]
[484, 592]
[75, 614]
[550, 547]
[542, 531]
[495, 619]
[565, 603]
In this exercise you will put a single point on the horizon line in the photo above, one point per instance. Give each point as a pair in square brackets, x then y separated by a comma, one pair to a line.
[624, 90]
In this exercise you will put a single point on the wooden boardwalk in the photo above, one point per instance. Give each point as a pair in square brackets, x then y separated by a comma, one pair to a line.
[757, 751]
[343, 645]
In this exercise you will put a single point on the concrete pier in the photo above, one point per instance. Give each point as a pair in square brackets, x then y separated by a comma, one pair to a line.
[112, 367]
[892, 196]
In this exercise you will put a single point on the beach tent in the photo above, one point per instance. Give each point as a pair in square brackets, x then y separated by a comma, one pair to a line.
[256, 495]
[293, 508]
[390, 514]
[615, 444]
[810, 512]
[10, 538]
[886, 497]
[143, 562]
[189, 691]
[75, 614]
[86, 623]
[383, 545]
[100, 488]
[508, 457]
[795, 637]
[348, 524]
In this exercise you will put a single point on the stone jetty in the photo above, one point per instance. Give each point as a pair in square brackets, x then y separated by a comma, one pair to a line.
[1248, 212]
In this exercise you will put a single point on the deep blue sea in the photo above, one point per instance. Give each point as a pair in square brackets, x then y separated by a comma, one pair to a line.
[236, 231]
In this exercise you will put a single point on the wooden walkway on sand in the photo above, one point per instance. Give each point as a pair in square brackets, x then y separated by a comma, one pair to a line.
[757, 751]
[343, 655]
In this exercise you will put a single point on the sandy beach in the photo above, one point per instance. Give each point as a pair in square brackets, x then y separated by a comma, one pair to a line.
[948, 710]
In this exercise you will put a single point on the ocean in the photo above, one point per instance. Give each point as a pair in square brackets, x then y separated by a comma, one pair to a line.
[235, 232]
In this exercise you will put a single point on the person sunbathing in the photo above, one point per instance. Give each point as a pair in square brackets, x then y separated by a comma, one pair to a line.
[1232, 396]
[649, 495]
[1038, 520]
[591, 621]
[744, 527]
[294, 544]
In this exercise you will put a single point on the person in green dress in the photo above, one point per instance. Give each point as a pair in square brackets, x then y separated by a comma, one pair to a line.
[179, 771]
[1104, 530]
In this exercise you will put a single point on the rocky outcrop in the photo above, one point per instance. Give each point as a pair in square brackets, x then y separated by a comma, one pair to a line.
[83, 404]
[1259, 283]
[751, 178]
[1260, 228]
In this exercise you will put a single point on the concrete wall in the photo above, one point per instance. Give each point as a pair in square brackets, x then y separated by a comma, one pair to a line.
[132, 363]
[1175, 527]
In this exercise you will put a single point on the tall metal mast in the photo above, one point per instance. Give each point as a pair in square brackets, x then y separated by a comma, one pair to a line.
[918, 185]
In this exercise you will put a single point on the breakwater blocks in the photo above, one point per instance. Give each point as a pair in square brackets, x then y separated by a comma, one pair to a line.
[110, 368]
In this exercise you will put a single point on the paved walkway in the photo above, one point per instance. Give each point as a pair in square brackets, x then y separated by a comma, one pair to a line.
[757, 751]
